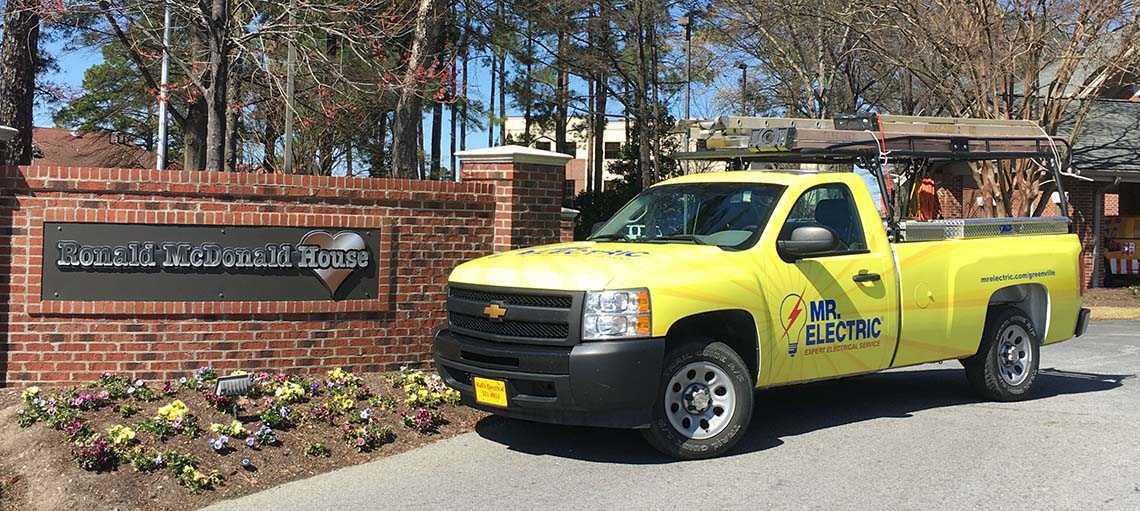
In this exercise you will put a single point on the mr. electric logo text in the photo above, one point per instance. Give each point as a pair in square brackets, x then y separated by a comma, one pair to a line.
[818, 323]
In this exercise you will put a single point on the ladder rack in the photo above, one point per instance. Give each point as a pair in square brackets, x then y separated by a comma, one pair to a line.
[858, 137]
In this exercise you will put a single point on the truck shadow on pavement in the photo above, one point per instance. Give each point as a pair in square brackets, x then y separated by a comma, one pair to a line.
[789, 411]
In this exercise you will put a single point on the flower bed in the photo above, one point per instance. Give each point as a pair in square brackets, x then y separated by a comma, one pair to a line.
[180, 431]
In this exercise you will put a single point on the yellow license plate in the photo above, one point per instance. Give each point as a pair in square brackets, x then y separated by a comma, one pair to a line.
[492, 392]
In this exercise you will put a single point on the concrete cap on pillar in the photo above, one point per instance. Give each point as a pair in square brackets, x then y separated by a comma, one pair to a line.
[7, 133]
[513, 154]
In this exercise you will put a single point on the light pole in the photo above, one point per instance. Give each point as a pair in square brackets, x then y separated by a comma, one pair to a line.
[687, 22]
[743, 67]
[164, 91]
[290, 90]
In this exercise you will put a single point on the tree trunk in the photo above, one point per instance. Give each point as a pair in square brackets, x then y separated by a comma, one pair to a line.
[379, 150]
[645, 170]
[561, 96]
[18, 61]
[194, 136]
[463, 107]
[218, 66]
[269, 138]
[233, 118]
[503, 98]
[656, 133]
[349, 171]
[600, 132]
[327, 156]
[409, 109]
[491, 109]
[420, 153]
[453, 124]
[436, 139]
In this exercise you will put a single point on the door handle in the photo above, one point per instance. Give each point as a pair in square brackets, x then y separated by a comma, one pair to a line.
[866, 277]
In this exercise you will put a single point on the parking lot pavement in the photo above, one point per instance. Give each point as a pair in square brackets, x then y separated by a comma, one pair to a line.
[907, 439]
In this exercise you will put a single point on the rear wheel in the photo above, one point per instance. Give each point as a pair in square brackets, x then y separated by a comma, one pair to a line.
[704, 402]
[1006, 364]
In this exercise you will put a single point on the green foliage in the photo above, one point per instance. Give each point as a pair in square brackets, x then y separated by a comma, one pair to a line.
[423, 420]
[95, 454]
[387, 403]
[318, 449]
[115, 99]
[277, 417]
[185, 470]
[368, 437]
[126, 410]
[599, 206]
[143, 460]
[165, 428]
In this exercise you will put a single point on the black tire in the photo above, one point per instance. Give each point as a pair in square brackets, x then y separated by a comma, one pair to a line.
[738, 393]
[999, 371]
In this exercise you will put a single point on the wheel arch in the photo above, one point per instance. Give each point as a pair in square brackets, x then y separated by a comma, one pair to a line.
[734, 327]
[1031, 298]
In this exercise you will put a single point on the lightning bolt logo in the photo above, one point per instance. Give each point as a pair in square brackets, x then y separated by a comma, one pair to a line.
[794, 314]
[797, 309]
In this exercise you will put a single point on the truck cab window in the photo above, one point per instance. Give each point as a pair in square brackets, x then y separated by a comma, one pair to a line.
[730, 215]
[829, 206]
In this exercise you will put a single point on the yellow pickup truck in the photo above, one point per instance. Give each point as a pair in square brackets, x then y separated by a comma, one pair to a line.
[706, 287]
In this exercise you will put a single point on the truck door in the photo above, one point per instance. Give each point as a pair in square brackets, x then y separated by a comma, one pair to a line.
[833, 313]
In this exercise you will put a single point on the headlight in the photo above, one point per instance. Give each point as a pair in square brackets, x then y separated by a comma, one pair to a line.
[616, 314]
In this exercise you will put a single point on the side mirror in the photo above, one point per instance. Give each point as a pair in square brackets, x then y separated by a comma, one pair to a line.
[597, 225]
[807, 241]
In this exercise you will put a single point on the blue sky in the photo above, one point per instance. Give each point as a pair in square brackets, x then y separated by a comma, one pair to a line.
[72, 65]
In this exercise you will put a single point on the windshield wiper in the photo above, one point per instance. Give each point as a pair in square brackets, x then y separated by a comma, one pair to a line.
[677, 237]
[609, 237]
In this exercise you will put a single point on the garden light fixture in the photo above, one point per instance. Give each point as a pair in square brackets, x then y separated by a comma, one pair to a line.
[232, 387]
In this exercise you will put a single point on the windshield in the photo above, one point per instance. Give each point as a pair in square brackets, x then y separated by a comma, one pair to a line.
[728, 215]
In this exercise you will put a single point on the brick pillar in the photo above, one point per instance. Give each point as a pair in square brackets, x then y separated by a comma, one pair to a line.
[568, 217]
[528, 192]
[1082, 201]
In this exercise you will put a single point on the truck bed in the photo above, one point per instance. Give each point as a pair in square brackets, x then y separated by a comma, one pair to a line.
[947, 286]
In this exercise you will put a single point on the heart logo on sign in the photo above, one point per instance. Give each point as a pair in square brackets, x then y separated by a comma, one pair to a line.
[341, 241]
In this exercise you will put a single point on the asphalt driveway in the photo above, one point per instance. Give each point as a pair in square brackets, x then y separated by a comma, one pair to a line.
[906, 439]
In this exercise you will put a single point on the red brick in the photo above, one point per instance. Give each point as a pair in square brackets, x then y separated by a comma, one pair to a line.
[432, 227]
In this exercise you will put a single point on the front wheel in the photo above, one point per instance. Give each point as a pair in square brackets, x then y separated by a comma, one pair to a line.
[1005, 366]
[704, 403]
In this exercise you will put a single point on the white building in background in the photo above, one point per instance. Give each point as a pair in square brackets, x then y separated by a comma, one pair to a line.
[582, 149]
[581, 146]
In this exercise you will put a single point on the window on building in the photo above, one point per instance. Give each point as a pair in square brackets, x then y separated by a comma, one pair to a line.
[570, 149]
[613, 150]
[544, 145]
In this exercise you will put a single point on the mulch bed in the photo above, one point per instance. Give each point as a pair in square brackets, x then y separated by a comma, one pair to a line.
[38, 463]
[1112, 297]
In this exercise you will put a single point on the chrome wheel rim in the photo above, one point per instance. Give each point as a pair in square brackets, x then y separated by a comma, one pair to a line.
[700, 400]
[1015, 354]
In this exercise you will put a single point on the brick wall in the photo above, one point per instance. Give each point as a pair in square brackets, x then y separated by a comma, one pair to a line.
[1111, 204]
[426, 229]
[528, 189]
[1082, 204]
[949, 193]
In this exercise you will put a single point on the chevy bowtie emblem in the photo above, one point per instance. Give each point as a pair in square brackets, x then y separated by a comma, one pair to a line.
[495, 312]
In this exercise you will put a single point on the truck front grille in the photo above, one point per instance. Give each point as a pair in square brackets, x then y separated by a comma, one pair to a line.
[551, 301]
[510, 328]
[530, 317]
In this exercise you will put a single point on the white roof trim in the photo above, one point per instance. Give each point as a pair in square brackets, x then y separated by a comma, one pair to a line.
[513, 154]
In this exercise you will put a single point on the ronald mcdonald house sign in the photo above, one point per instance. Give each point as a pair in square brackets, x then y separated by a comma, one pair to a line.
[198, 263]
